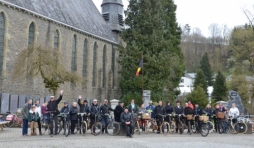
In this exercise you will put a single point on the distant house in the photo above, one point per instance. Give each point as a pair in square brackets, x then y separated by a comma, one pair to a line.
[187, 82]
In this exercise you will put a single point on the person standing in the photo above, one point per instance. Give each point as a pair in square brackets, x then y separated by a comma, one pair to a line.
[209, 111]
[38, 110]
[190, 104]
[178, 110]
[25, 113]
[83, 108]
[104, 110]
[32, 119]
[44, 110]
[65, 109]
[197, 112]
[142, 122]
[188, 111]
[158, 111]
[118, 111]
[93, 113]
[215, 111]
[133, 108]
[150, 108]
[234, 112]
[53, 107]
[169, 110]
[73, 116]
[126, 120]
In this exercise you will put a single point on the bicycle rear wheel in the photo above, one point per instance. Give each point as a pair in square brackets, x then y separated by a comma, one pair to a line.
[210, 126]
[240, 127]
[204, 129]
[66, 129]
[113, 128]
[96, 128]
[164, 128]
[84, 127]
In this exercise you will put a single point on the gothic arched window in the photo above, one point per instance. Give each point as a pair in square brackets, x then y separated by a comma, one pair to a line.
[2, 37]
[31, 34]
[94, 64]
[84, 58]
[74, 54]
[104, 58]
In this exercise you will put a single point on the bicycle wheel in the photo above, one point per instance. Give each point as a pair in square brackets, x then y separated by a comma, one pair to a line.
[60, 127]
[150, 127]
[66, 129]
[96, 128]
[194, 127]
[220, 127]
[240, 127]
[113, 128]
[210, 126]
[180, 127]
[84, 127]
[9, 124]
[164, 128]
[77, 128]
[44, 128]
[189, 127]
[231, 129]
[138, 128]
[204, 129]
[172, 127]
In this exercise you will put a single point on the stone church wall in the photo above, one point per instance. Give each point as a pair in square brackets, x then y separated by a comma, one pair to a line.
[16, 39]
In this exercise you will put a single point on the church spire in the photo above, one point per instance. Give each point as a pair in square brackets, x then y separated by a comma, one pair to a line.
[112, 12]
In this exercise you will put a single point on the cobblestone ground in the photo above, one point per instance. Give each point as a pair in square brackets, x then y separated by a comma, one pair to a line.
[11, 138]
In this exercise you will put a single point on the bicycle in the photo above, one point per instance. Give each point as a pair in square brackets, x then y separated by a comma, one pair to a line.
[219, 123]
[240, 127]
[113, 127]
[203, 125]
[164, 125]
[151, 126]
[189, 119]
[231, 127]
[97, 126]
[135, 123]
[171, 123]
[181, 125]
[82, 124]
[47, 126]
[66, 124]
[13, 119]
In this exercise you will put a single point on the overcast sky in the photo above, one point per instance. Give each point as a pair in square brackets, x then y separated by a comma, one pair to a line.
[202, 13]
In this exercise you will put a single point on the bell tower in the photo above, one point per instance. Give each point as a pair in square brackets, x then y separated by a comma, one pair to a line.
[112, 12]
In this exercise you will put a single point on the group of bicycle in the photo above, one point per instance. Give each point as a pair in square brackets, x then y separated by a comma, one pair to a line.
[163, 119]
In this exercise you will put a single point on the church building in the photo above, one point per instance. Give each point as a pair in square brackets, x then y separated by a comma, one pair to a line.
[86, 39]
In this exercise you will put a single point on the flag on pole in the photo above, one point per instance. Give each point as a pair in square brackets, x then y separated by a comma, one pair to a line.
[139, 67]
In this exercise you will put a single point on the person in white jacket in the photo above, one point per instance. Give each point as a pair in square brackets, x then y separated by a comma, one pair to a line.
[234, 112]
[38, 109]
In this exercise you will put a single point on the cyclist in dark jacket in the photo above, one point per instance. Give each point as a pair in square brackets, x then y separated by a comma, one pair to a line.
[104, 109]
[126, 120]
[94, 112]
[178, 110]
[188, 111]
[83, 108]
[169, 110]
[118, 111]
[73, 116]
[66, 110]
[215, 111]
[159, 110]
[197, 112]
[52, 106]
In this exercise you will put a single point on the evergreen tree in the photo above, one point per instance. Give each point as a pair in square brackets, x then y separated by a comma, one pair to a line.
[219, 88]
[152, 30]
[198, 96]
[200, 80]
[206, 67]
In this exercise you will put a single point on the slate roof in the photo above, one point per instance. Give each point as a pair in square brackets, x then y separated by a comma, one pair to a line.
[80, 14]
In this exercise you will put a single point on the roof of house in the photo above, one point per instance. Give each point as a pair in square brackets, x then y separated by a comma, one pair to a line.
[191, 75]
[80, 14]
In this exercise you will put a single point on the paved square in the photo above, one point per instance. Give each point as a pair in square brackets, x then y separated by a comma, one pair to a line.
[11, 138]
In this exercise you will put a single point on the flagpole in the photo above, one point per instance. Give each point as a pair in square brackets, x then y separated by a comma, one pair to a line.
[143, 77]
